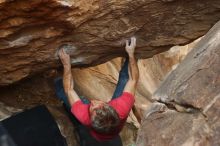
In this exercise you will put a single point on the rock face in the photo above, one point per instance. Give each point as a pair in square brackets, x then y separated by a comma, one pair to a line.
[93, 82]
[31, 31]
[7, 111]
[188, 112]
[154, 70]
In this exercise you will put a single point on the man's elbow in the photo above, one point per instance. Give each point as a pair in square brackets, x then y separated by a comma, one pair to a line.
[133, 81]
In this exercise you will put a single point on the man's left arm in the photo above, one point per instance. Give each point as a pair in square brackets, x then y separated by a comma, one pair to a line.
[133, 67]
[127, 98]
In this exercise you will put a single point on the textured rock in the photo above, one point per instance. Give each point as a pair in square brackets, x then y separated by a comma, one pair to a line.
[65, 125]
[94, 82]
[165, 127]
[7, 111]
[154, 70]
[192, 90]
[31, 31]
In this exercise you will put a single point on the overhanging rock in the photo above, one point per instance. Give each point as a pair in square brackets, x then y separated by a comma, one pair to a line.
[32, 30]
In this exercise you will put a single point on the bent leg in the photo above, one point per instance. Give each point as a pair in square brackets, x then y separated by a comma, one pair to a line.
[61, 94]
[122, 80]
[59, 90]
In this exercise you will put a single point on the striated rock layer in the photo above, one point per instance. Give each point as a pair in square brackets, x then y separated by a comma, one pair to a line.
[188, 112]
[32, 30]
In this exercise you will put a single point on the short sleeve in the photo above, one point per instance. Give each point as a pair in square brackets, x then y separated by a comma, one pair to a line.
[123, 104]
[81, 112]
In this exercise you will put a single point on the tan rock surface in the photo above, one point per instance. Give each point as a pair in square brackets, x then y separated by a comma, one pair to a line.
[191, 95]
[154, 70]
[94, 82]
[31, 31]
[167, 127]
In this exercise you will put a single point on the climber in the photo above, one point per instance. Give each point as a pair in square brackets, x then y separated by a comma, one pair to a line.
[104, 120]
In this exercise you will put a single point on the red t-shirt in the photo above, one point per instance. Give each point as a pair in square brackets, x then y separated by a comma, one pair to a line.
[122, 105]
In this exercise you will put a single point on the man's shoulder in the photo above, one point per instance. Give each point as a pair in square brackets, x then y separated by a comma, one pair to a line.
[81, 112]
[124, 96]
[127, 94]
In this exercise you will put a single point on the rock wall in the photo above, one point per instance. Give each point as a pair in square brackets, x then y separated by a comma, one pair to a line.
[94, 82]
[32, 30]
[154, 70]
[186, 108]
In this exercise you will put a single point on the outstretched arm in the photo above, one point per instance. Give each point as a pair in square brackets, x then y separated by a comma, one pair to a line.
[133, 67]
[68, 83]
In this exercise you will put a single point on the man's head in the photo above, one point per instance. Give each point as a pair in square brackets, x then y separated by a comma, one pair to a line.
[104, 118]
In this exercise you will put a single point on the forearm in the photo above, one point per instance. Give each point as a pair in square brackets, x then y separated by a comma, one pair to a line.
[67, 79]
[133, 67]
[68, 85]
[133, 76]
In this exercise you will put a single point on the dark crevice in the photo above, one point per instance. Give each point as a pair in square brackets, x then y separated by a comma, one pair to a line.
[169, 106]
[183, 107]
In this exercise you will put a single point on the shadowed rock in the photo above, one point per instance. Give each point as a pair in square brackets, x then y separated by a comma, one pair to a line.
[62, 121]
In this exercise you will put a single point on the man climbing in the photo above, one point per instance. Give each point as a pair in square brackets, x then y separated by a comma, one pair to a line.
[103, 120]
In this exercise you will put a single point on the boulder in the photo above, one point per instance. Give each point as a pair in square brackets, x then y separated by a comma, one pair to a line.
[186, 108]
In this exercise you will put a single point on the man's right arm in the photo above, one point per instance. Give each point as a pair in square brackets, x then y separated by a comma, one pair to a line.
[68, 83]
[133, 67]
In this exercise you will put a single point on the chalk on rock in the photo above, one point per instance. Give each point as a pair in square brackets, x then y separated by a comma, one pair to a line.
[69, 49]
